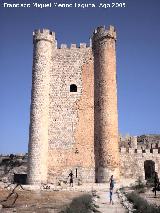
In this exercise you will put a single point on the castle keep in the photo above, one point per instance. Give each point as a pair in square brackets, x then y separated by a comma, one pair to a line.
[73, 118]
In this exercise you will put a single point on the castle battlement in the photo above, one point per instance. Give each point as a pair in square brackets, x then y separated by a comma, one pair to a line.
[43, 31]
[63, 46]
[102, 33]
[74, 46]
[47, 35]
[138, 151]
[44, 34]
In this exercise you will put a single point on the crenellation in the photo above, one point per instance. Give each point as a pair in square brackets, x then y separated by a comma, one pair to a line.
[63, 46]
[147, 151]
[139, 151]
[102, 33]
[111, 28]
[155, 151]
[90, 42]
[45, 35]
[45, 31]
[131, 150]
[55, 44]
[83, 45]
[36, 31]
[123, 150]
[111, 32]
[73, 46]
[100, 30]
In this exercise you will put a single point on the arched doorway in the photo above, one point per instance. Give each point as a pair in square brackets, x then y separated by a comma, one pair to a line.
[149, 168]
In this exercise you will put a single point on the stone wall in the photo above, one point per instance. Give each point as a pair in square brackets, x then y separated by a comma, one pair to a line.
[149, 141]
[131, 166]
[71, 114]
[132, 162]
[141, 141]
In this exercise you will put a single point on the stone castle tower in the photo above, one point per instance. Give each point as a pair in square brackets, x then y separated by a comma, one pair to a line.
[74, 119]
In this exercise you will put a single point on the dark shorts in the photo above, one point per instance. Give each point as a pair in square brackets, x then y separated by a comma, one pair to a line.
[71, 180]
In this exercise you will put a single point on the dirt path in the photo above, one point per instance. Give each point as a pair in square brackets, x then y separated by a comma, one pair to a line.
[105, 206]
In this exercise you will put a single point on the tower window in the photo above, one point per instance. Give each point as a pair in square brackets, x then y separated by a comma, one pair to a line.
[73, 88]
[76, 172]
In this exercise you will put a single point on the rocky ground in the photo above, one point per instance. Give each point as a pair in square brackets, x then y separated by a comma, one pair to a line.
[149, 196]
[56, 201]
[59, 197]
[142, 198]
[37, 201]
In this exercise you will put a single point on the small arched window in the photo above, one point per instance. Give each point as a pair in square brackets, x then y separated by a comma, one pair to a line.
[73, 88]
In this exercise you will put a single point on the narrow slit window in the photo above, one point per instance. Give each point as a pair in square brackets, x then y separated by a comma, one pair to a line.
[73, 88]
[76, 173]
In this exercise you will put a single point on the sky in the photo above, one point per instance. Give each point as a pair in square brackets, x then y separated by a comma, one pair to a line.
[138, 61]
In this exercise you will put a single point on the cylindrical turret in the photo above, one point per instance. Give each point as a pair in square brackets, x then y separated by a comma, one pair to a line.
[105, 95]
[44, 43]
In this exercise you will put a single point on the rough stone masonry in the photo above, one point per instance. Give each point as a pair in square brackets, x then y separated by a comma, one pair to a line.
[73, 118]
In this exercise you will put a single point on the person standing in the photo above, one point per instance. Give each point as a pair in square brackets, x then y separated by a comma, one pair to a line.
[71, 178]
[111, 189]
[156, 183]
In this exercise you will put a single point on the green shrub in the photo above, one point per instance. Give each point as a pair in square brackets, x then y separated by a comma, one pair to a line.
[150, 182]
[141, 190]
[83, 204]
[141, 205]
[140, 186]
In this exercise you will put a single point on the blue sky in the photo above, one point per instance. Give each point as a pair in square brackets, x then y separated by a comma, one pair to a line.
[138, 61]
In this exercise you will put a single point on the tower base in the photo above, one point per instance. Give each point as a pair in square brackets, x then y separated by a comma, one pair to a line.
[104, 174]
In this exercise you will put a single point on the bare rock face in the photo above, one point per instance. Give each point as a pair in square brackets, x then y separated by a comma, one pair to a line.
[10, 165]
